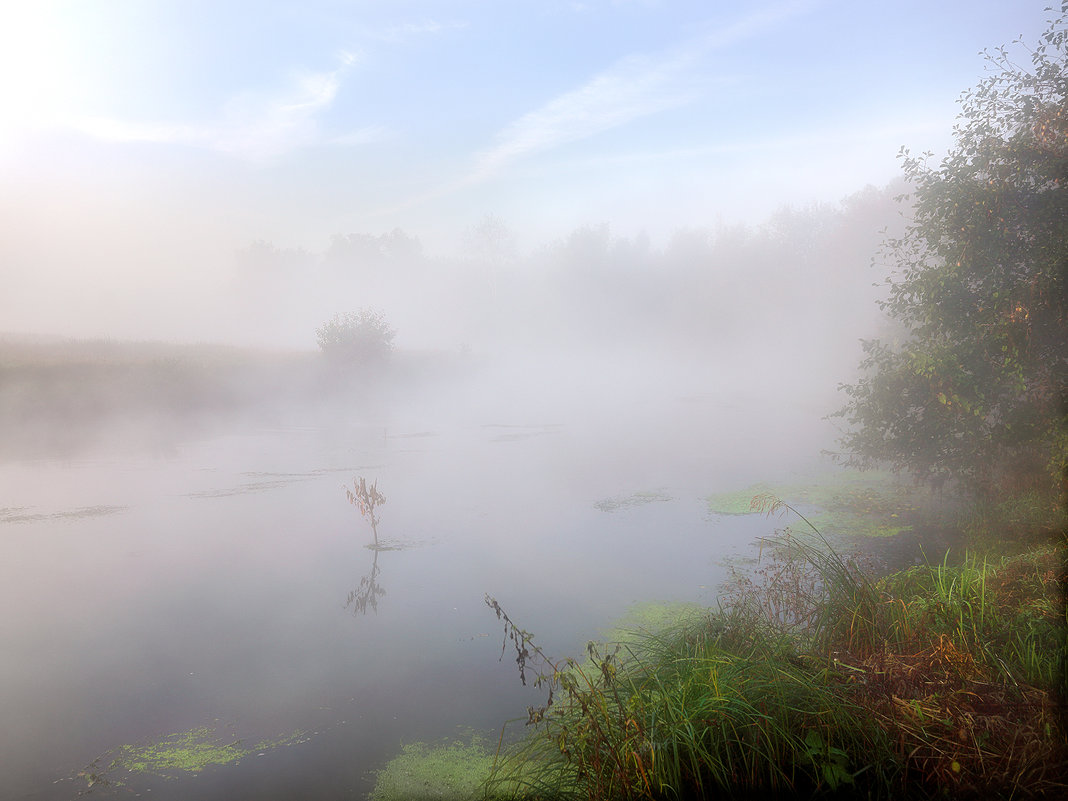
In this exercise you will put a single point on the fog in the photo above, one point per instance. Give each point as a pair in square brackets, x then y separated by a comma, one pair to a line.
[113, 279]
[628, 251]
[179, 554]
[767, 315]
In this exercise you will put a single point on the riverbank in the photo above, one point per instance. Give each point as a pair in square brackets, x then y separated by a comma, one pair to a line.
[60, 395]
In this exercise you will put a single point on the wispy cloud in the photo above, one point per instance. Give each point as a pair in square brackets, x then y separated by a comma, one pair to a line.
[253, 126]
[407, 30]
[757, 22]
[632, 88]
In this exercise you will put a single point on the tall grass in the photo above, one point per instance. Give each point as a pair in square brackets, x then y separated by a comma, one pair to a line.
[814, 677]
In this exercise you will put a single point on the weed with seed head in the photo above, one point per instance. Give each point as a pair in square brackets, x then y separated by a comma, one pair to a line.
[366, 499]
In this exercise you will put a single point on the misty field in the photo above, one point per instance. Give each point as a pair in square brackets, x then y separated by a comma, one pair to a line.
[63, 394]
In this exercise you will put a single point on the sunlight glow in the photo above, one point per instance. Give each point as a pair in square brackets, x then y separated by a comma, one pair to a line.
[35, 68]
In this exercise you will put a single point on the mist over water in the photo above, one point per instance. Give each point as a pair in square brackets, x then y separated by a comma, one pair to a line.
[155, 585]
[628, 261]
[176, 546]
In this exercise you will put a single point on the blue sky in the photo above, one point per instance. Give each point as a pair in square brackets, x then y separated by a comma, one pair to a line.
[290, 122]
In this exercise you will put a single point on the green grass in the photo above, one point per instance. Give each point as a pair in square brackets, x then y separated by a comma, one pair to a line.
[814, 678]
[713, 709]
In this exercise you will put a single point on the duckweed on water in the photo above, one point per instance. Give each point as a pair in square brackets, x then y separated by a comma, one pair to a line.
[735, 503]
[629, 501]
[452, 769]
[190, 751]
[653, 617]
[871, 504]
[176, 754]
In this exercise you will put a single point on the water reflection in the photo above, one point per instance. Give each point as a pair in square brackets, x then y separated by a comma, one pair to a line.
[367, 499]
[366, 594]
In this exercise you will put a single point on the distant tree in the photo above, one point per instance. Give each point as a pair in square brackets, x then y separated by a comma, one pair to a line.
[262, 259]
[491, 240]
[362, 337]
[364, 251]
[977, 388]
[587, 248]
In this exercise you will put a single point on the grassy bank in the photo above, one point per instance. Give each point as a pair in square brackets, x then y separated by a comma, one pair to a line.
[62, 394]
[814, 678]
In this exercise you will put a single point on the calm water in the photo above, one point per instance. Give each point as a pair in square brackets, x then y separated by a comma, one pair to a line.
[207, 584]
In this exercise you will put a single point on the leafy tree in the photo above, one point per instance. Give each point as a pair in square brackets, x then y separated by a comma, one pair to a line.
[976, 388]
[363, 337]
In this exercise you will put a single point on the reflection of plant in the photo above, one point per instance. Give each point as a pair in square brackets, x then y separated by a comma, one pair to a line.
[367, 593]
[366, 499]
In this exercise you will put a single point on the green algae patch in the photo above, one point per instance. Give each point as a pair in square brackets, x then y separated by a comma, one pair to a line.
[653, 617]
[738, 502]
[177, 754]
[846, 502]
[452, 769]
[630, 501]
[189, 751]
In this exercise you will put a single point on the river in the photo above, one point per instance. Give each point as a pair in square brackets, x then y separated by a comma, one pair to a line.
[222, 583]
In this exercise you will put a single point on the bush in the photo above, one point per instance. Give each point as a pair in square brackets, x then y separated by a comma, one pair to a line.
[978, 390]
[362, 337]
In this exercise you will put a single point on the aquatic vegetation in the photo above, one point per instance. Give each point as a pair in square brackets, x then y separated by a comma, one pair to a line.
[515, 433]
[250, 487]
[629, 501]
[859, 503]
[187, 751]
[20, 514]
[176, 754]
[735, 503]
[452, 769]
[653, 617]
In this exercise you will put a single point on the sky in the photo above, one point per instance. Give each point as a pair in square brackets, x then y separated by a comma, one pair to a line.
[143, 140]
